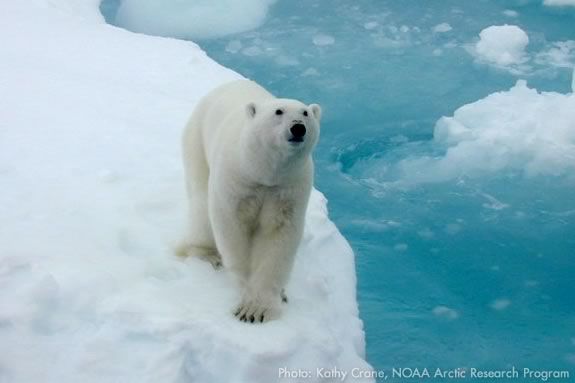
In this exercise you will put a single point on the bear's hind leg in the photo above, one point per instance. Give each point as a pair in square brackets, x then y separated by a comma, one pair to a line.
[208, 254]
[199, 241]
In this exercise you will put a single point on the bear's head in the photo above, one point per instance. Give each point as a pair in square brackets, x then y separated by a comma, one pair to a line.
[278, 139]
[284, 125]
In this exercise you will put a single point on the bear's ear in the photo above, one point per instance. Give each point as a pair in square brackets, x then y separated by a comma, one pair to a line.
[251, 110]
[316, 110]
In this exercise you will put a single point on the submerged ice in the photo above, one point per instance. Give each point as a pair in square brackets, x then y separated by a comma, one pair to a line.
[559, 3]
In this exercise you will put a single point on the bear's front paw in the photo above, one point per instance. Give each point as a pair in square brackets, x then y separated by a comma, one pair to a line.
[255, 311]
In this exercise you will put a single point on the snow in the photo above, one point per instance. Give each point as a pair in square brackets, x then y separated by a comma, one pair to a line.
[502, 44]
[198, 19]
[517, 130]
[92, 205]
[559, 3]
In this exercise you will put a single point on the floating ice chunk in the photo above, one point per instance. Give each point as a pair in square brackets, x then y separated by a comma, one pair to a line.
[559, 3]
[510, 13]
[445, 312]
[285, 60]
[382, 41]
[321, 40]
[452, 228]
[449, 131]
[234, 46]
[500, 304]
[371, 25]
[370, 224]
[517, 130]
[399, 139]
[401, 247]
[404, 28]
[252, 51]
[426, 233]
[493, 203]
[442, 28]
[561, 54]
[199, 19]
[310, 72]
[502, 44]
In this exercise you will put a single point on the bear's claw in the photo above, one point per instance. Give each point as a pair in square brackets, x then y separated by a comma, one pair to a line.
[252, 312]
[214, 259]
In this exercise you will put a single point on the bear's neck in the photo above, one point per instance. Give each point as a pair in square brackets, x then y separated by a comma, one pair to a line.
[274, 168]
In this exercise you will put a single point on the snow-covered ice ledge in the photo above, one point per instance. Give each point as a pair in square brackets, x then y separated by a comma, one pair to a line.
[91, 204]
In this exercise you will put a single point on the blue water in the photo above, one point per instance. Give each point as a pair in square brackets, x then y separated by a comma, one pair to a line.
[382, 88]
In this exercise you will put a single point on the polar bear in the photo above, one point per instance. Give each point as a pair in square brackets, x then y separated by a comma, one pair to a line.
[249, 172]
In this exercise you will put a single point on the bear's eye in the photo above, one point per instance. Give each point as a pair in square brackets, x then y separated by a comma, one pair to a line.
[305, 113]
[279, 112]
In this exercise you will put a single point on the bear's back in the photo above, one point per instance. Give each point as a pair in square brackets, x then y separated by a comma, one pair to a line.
[232, 98]
[222, 113]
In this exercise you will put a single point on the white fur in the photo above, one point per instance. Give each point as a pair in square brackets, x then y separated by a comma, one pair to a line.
[248, 188]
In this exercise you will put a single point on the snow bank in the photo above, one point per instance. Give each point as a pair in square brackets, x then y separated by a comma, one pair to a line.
[502, 45]
[197, 19]
[91, 206]
[519, 130]
[559, 3]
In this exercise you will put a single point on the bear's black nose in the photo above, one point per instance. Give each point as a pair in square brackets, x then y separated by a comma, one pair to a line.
[298, 130]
